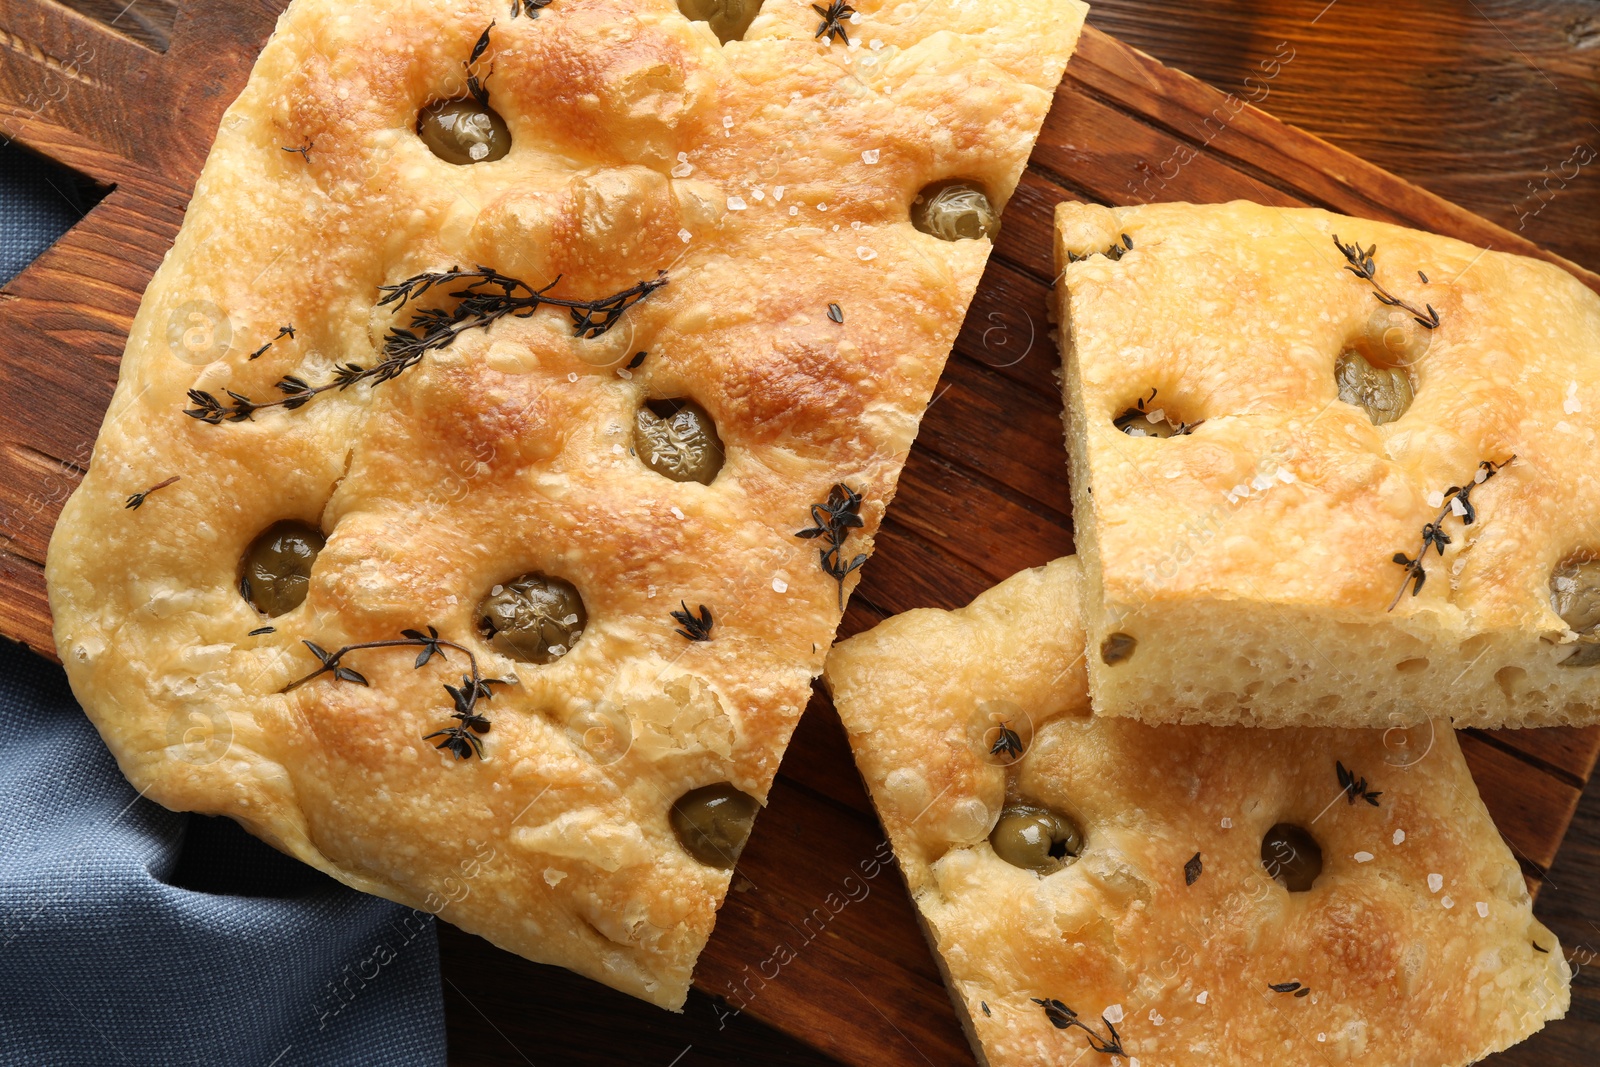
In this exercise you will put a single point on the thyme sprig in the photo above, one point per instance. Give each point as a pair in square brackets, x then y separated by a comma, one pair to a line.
[1192, 870]
[530, 8]
[284, 331]
[1008, 742]
[489, 296]
[136, 501]
[1064, 1018]
[1114, 253]
[486, 297]
[1355, 788]
[461, 740]
[304, 151]
[832, 24]
[1433, 534]
[696, 627]
[1363, 265]
[477, 87]
[834, 520]
[1290, 987]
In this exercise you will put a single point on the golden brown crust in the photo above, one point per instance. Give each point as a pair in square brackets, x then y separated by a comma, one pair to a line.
[1272, 528]
[639, 144]
[1401, 968]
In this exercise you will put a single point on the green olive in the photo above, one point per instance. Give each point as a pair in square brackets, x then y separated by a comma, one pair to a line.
[464, 131]
[1035, 838]
[536, 619]
[1292, 856]
[1116, 648]
[276, 571]
[955, 210]
[1136, 423]
[728, 18]
[1384, 392]
[713, 822]
[1575, 596]
[678, 439]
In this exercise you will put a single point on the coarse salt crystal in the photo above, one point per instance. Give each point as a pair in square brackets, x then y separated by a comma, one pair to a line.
[572, 376]
[757, 194]
[794, 210]
[616, 449]
[497, 590]
[931, 120]
[779, 585]
[866, 253]
[649, 592]
[1205, 994]
[677, 514]
[822, 207]
[1285, 475]
[855, 19]
[1457, 508]
[736, 203]
[727, 122]
[1158, 415]
[1227, 824]
[870, 155]
[874, 44]
[1436, 499]
[1363, 857]
[1448, 903]
[777, 193]
[682, 170]
[1113, 1014]
[1399, 837]
[1435, 883]
[1483, 910]
[684, 235]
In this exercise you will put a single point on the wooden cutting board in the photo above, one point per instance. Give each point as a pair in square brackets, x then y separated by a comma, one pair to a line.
[983, 495]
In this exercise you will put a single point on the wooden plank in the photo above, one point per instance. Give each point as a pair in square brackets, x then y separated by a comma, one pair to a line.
[984, 494]
[1523, 802]
[1481, 102]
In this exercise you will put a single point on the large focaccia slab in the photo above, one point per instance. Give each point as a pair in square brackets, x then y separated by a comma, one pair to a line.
[768, 180]
[1268, 434]
[1167, 941]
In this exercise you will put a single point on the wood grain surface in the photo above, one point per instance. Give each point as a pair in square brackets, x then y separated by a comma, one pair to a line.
[1469, 98]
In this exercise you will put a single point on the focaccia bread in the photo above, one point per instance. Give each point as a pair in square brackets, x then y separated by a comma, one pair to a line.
[1329, 472]
[690, 303]
[1147, 924]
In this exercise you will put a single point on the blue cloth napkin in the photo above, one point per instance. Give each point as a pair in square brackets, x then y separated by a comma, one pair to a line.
[130, 935]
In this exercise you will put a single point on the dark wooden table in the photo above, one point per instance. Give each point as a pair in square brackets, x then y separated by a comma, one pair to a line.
[1490, 103]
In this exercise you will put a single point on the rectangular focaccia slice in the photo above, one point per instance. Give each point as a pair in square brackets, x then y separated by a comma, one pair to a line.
[1172, 910]
[1328, 471]
[474, 415]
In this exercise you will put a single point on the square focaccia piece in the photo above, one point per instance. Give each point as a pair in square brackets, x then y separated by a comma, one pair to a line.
[1329, 472]
[473, 417]
[1177, 895]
